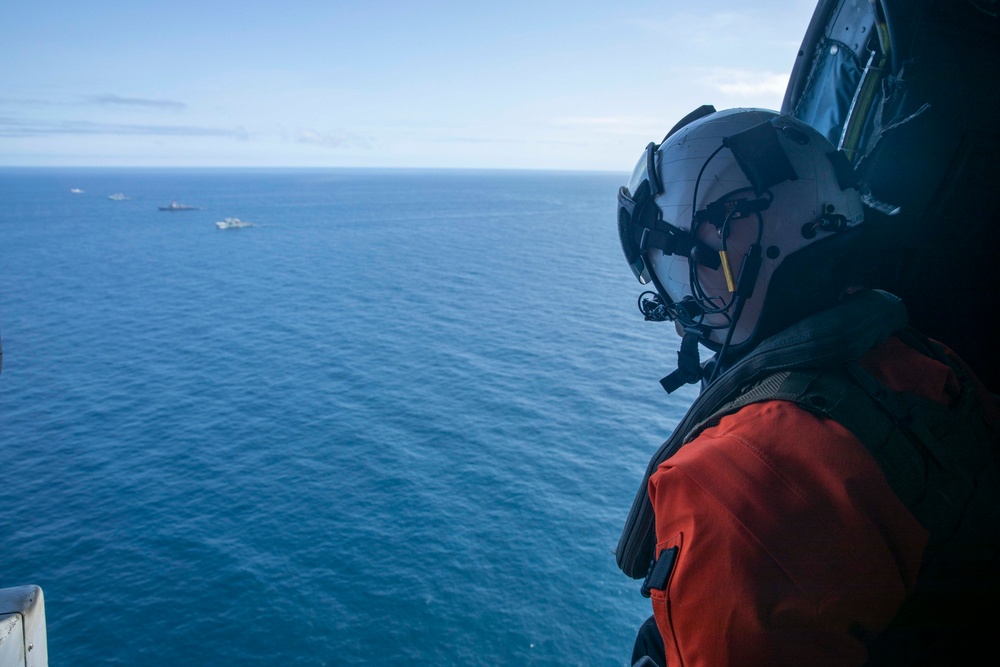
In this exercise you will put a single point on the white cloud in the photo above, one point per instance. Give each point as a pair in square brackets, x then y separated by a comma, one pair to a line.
[118, 100]
[747, 82]
[15, 127]
[591, 121]
[331, 139]
[617, 125]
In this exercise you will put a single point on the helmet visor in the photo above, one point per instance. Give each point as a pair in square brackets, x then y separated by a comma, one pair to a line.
[635, 203]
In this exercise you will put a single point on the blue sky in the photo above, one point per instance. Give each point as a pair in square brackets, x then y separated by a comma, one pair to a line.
[543, 84]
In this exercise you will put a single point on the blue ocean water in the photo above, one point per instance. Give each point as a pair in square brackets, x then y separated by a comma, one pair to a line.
[398, 421]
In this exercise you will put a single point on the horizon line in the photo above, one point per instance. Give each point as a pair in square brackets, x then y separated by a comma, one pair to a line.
[313, 167]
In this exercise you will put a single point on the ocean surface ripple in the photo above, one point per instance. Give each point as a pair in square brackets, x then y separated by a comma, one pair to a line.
[398, 421]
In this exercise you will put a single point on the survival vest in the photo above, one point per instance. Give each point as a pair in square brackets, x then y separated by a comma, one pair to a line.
[941, 461]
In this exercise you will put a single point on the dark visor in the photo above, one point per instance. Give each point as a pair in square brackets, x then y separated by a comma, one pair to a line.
[635, 201]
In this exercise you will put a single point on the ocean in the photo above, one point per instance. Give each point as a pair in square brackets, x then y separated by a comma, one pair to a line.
[400, 420]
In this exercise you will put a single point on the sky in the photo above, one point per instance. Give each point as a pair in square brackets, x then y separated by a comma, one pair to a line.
[512, 84]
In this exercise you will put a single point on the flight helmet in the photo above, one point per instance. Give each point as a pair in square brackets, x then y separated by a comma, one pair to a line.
[741, 221]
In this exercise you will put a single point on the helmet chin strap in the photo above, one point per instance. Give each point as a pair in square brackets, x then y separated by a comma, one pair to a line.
[689, 370]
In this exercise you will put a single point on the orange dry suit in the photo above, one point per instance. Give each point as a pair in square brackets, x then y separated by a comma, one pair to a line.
[836, 506]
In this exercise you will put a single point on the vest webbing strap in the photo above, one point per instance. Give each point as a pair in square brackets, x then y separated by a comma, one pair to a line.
[941, 461]
[828, 340]
[930, 454]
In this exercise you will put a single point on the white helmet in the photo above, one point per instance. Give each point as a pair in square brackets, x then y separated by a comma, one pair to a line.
[711, 214]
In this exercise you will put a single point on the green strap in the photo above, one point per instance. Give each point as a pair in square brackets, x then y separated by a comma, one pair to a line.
[829, 339]
[937, 459]
[835, 394]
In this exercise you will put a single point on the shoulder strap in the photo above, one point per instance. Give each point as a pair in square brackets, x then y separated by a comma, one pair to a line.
[852, 398]
[939, 460]
[832, 338]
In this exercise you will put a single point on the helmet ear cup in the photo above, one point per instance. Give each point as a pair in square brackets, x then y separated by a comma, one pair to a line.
[812, 279]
